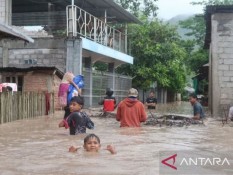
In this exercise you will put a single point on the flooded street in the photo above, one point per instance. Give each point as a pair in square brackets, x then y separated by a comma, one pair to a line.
[39, 147]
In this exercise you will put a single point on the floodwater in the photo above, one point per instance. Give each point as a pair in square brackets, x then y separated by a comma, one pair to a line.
[39, 147]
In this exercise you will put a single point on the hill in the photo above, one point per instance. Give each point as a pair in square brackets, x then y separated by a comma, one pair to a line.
[175, 21]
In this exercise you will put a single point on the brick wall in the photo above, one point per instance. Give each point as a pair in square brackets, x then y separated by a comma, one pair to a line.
[37, 57]
[42, 82]
[43, 52]
[222, 61]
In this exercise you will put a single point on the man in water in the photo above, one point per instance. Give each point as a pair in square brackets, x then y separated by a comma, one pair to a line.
[230, 115]
[131, 111]
[151, 101]
[198, 112]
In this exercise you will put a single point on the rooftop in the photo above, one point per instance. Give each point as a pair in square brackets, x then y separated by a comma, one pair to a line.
[34, 12]
[9, 32]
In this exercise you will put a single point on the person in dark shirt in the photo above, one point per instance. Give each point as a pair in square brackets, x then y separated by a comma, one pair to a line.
[198, 112]
[77, 121]
[151, 101]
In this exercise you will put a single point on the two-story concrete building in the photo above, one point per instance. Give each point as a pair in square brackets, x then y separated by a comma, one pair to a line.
[92, 34]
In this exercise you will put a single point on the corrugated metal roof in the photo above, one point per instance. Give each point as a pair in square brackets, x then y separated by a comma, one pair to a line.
[95, 7]
[114, 10]
[7, 31]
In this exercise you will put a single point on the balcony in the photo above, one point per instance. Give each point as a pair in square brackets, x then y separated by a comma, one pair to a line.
[83, 24]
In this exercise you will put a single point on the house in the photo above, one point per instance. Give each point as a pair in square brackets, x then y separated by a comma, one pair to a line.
[90, 37]
[219, 41]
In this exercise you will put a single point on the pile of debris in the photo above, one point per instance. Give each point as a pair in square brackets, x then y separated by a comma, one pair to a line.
[98, 112]
[172, 120]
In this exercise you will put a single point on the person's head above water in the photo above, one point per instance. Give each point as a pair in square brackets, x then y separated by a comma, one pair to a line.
[192, 98]
[76, 103]
[152, 94]
[109, 92]
[132, 93]
[92, 143]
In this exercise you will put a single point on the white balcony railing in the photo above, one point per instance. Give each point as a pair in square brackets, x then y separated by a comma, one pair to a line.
[80, 22]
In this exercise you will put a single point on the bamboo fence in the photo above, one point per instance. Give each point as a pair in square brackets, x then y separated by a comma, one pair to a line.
[24, 105]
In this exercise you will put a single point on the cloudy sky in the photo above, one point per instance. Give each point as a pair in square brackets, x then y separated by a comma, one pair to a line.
[171, 8]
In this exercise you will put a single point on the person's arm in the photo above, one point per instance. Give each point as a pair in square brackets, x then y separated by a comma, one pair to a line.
[147, 103]
[73, 149]
[65, 122]
[196, 117]
[111, 149]
[76, 86]
[151, 104]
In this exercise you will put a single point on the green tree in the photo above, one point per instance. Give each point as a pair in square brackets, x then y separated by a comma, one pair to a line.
[158, 57]
[196, 25]
[140, 7]
[100, 66]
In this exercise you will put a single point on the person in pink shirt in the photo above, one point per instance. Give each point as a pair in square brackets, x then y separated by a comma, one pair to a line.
[130, 111]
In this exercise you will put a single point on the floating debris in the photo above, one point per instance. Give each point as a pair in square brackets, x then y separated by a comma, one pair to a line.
[172, 120]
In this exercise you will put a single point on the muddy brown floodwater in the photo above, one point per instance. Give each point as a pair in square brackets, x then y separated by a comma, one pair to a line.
[39, 147]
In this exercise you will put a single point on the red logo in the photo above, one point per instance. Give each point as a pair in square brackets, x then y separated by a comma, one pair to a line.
[174, 160]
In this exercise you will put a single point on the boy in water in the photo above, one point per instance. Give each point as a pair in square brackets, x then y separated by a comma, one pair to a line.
[92, 144]
[77, 121]
[198, 112]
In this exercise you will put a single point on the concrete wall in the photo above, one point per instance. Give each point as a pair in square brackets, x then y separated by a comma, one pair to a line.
[221, 62]
[5, 11]
[43, 52]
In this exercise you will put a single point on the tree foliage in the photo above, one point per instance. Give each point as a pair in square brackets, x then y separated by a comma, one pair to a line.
[196, 25]
[140, 7]
[158, 57]
[100, 66]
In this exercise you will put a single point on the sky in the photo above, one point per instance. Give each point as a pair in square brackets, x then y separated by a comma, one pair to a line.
[171, 8]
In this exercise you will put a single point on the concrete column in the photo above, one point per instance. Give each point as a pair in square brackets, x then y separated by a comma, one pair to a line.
[74, 56]
[5, 56]
[88, 66]
[1, 56]
[111, 81]
[6, 11]
[51, 8]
